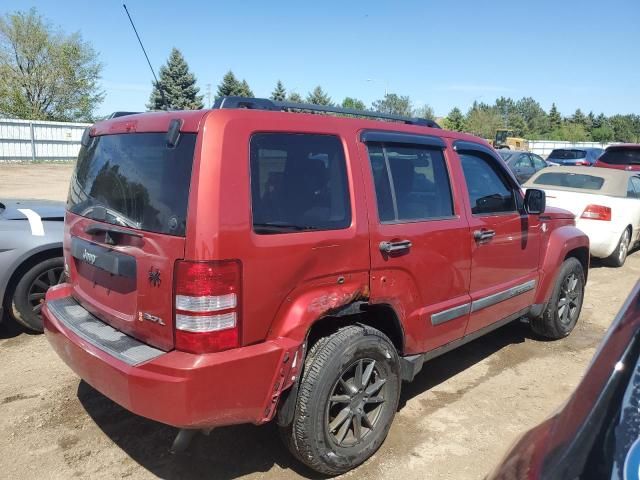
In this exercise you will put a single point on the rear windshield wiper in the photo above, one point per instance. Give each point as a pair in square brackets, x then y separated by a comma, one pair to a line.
[280, 227]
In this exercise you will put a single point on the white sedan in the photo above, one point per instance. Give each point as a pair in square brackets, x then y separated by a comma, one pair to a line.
[605, 202]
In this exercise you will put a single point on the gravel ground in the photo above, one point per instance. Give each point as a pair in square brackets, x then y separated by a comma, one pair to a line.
[455, 422]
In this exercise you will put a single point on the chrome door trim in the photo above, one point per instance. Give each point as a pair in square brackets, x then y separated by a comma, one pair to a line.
[484, 302]
[450, 314]
[490, 300]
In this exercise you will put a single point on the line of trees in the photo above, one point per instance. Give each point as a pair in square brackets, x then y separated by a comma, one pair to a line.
[46, 74]
[528, 119]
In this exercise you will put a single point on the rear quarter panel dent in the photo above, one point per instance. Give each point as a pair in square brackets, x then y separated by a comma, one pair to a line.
[312, 301]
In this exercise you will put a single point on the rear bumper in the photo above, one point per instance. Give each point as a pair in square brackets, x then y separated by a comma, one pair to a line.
[603, 239]
[181, 389]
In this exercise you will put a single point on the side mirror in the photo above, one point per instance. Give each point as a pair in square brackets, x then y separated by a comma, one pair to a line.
[535, 201]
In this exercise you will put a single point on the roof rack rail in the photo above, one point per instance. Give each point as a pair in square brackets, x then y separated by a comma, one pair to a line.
[275, 105]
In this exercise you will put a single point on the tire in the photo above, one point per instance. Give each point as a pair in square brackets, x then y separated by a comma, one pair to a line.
[619, 255]
[333, 406]
[561, 313]
[28, 295]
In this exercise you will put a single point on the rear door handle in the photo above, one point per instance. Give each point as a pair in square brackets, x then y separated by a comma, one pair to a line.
[395, 247]
[483, 235]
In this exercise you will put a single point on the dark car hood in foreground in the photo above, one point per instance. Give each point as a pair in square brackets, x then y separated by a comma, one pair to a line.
[47, 209]
[593, 434]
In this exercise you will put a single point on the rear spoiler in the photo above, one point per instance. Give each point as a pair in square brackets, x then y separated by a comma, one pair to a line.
[121, 114]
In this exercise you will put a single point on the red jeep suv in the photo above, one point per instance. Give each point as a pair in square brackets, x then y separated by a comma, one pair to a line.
[260, 260]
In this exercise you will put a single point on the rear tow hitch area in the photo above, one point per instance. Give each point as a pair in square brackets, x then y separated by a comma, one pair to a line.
[184, 438]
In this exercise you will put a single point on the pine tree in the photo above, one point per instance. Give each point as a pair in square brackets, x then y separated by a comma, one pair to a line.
[245, 90]
[178, 86]
[579, 118]
[591, 118]
[279, 93]
[600, 121]
[555, 119]
[455, 120]
[318, 97]
[295, 97]
[229, 85]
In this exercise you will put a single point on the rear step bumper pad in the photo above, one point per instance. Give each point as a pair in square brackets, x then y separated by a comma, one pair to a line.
[93, 330]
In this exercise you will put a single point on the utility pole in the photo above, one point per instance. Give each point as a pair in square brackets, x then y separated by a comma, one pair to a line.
[208, 93]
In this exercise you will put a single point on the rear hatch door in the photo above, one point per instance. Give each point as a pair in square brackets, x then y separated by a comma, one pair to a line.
[126, 226]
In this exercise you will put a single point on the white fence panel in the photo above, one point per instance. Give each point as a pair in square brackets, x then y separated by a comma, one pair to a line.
[544, 147]
[25, 140]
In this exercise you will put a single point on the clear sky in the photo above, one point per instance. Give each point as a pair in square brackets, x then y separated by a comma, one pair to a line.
[577, 53]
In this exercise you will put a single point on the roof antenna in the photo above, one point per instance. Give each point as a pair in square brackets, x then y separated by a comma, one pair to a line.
[157, 83]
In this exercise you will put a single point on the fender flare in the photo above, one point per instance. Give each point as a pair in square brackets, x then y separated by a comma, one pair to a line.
[306, 305]
[560, 243]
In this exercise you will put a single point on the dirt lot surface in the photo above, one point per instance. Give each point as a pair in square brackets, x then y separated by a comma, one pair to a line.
[45, 180]
[455, 422]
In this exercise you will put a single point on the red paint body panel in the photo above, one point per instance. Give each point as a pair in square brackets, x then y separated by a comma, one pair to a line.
[557, 243]
[150, 122]
[285, 264]
[432, 277]
[292, 280]
[507, 260]
[118, 300]
[181, 389]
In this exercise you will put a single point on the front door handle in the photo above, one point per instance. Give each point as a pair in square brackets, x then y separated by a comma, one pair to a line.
[483, 235]
[395, 247]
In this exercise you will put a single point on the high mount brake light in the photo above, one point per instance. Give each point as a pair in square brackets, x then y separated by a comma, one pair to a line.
[207, 305]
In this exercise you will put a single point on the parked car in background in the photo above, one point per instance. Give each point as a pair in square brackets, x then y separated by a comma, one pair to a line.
[575, 156]
[596, 434]
[31, 261]
[522, 164]
[248, 263]
[606, 203]
[623, 157]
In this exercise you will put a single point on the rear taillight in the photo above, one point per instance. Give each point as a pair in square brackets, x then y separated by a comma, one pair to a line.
[583, 163]
[597, 212]
[207, 305]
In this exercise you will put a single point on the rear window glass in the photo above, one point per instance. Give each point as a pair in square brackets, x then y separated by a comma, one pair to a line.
[506, 154]
[570, 180]
[563, 154]
[298, 183]
[621, 156]
[134, 180]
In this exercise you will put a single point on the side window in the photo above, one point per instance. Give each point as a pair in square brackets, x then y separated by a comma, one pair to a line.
[523, 161]
[298, 183]
[538, 162]
[633, 190]
[411, 182]
[489, 191]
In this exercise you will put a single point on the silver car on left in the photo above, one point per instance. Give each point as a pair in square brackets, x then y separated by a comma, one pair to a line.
[31, 259]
